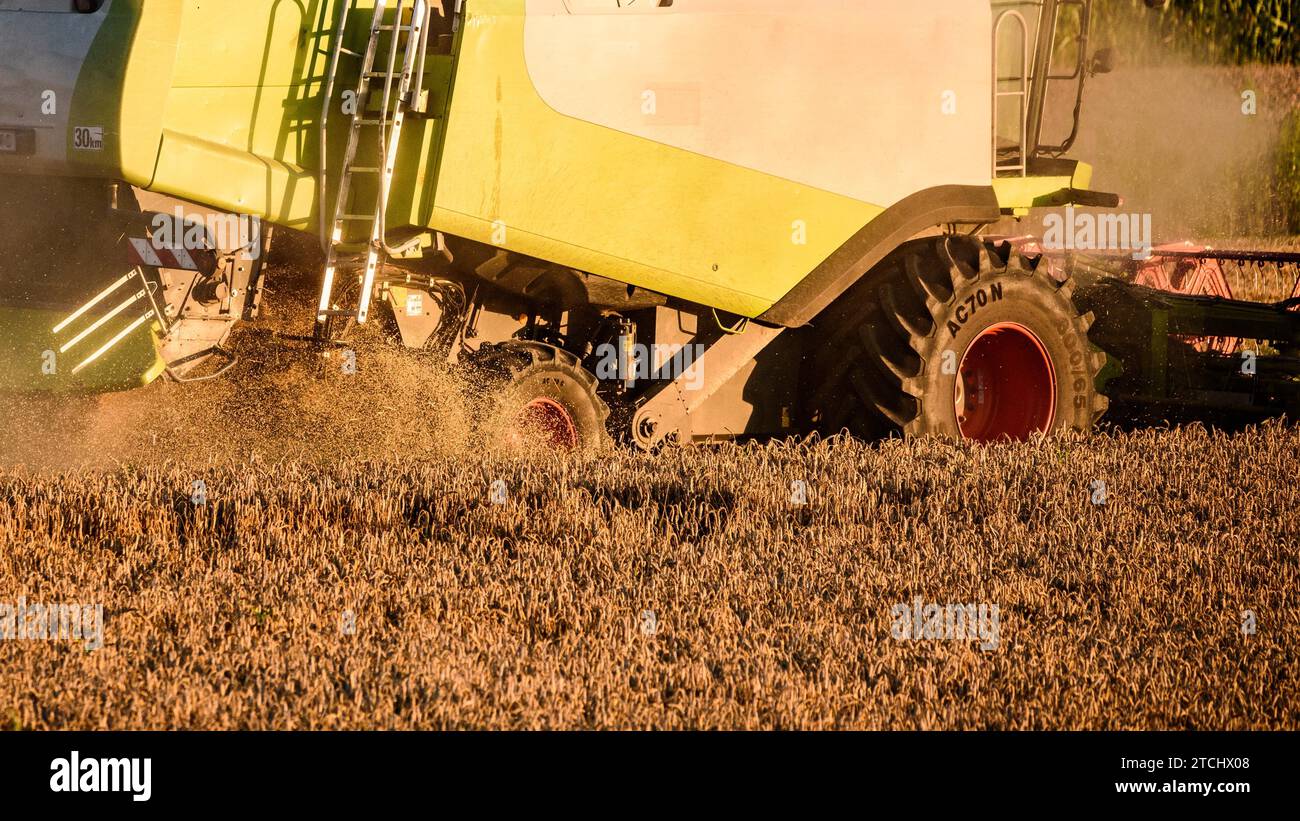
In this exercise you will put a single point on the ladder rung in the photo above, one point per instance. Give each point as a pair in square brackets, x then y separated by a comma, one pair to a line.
[324, 52]
[358, 217]
[367, 121]
[363, 170]
[394, 28]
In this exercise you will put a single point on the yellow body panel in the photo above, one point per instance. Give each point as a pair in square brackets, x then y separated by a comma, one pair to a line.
[239, 123]
[1017, 195]
[515, 173]
[235, 129]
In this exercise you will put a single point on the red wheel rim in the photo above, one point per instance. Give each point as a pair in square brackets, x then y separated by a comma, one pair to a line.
[547, 422]
[1006, 385]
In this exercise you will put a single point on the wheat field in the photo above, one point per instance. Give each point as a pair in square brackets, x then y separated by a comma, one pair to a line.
[686, 590]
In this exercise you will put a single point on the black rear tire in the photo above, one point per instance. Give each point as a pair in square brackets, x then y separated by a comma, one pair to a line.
[540, 396]
[956, 338]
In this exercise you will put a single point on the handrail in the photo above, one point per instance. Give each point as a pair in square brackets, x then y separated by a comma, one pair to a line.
[1023, 93]
[327, 97]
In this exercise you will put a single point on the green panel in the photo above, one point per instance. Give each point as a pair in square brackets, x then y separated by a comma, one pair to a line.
[26, 335]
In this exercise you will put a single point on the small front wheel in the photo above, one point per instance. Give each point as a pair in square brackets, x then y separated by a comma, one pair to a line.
[541, 398]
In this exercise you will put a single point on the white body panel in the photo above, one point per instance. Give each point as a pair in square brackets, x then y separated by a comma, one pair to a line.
[871, 99]
[42, 56]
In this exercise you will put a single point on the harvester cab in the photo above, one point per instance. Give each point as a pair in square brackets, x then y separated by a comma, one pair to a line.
[628, 217]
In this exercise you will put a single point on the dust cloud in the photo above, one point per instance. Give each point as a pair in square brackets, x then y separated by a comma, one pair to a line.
[283, 400]
[1176, 141]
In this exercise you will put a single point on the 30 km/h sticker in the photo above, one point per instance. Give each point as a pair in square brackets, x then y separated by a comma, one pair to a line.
[88, 139]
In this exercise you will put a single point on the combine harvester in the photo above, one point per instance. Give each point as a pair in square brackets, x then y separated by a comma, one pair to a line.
[656, 219]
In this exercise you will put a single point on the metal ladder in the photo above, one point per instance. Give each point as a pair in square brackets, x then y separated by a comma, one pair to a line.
[405, 80]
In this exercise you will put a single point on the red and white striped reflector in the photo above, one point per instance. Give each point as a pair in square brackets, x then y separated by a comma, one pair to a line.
[144, 252]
